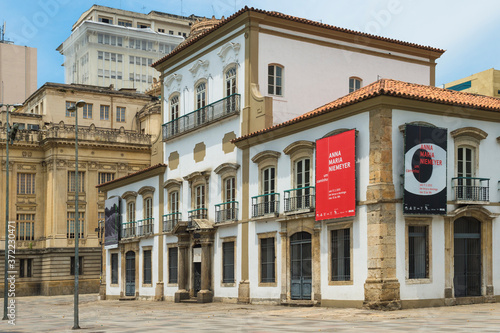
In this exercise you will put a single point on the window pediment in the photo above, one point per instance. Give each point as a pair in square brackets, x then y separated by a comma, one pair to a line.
[197, 175]
[473, 132]
[146, 190]
[171, 184]
[338, 131]
[226, 167]
[173, 78]
[299, 145]
[200, 64]
[129, 195]
[266, 154]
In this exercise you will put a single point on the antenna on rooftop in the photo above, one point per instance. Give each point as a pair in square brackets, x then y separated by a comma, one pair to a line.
[182, 12]
[2, 34]
[213, 11]
[144, 9]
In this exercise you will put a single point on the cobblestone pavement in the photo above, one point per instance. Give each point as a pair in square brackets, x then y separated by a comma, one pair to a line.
[55, 314]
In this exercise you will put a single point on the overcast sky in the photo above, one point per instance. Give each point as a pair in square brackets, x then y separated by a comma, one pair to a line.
[469, 31]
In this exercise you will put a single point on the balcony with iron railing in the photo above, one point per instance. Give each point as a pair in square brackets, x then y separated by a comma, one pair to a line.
[210, 113]
[471, 190]
[129, 229]
[198, 214]
[170, 221]
[265, 204]
[145, 226]
[227, 211]
[299, 199]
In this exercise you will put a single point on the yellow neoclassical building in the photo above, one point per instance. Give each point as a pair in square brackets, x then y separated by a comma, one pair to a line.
[116, 131]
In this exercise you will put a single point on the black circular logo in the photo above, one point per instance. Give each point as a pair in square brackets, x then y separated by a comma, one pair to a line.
[421, 163]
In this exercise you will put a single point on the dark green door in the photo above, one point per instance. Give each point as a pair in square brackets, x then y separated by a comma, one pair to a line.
[301, 266]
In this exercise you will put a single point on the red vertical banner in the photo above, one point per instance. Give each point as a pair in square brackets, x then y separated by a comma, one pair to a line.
[336, 176]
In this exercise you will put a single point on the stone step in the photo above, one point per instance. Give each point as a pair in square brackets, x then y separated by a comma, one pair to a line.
[127, 298]
[190, 300]
[300, 302]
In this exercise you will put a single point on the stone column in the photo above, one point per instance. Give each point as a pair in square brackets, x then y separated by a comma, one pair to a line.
[205, 295]
[381, 286]
[183, 244]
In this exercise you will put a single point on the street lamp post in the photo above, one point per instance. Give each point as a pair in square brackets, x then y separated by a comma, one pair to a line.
[5, 292]
[74, 109]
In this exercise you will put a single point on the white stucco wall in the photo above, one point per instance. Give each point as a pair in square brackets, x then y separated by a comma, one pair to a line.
[151, 241]
[488, 149]
[316, 74]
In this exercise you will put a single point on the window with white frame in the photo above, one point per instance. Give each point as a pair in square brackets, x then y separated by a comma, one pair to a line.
[201, 102]
[174, 201]
[231, 81]
[148, 208]
[131, 211]
[275, 80]
[354, 84]
[199, 196]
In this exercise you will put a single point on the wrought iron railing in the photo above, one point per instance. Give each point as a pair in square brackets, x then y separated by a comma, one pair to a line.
[227, 211]
[471, 189]
[145, 226]
[170, 221]
[207, 114]
[265, 204]
[299, 199]
[129, 229]
[199, 214]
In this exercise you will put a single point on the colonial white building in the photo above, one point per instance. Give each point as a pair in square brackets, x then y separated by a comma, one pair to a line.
[230, 215]
[113, 46]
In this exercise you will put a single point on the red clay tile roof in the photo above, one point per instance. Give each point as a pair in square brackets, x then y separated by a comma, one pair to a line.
[396, 88]
[294, 19]
[133, 174]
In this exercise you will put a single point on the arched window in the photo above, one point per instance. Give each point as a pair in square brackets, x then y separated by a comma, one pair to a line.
[231, 81]
[201, 95]
[174, 107]
[354, 84]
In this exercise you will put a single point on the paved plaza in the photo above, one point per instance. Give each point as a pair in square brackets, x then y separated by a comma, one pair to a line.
[55, 314]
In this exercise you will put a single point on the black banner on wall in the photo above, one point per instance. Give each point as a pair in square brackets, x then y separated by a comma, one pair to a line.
[112, 222]
[425, 170]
